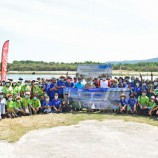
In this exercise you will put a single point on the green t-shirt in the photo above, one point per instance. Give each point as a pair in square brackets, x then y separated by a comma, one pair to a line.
[144, 100]
[17, 105]
[36, 103]
[16, 90]
[10, 105]
[7, 90]
[151, 104]
[25, 88]
[26, 102]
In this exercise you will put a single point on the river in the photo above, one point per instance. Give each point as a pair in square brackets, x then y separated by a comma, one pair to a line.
[34, 77]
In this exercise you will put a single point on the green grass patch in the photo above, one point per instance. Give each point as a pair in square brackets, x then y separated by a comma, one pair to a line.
[12, 130]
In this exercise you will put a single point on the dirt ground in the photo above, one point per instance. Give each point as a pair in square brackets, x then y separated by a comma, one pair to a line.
[95, 139]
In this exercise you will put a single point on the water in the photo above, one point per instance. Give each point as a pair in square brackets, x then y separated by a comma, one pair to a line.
[34, 77]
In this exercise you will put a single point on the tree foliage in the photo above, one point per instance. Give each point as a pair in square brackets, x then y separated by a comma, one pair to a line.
[28, 65]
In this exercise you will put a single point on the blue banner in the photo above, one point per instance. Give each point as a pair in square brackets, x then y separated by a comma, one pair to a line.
[97, 98]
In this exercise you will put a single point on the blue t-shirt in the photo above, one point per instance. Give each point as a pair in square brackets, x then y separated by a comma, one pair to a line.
[47, 103]
[60, 83]
[51, 93]
[123, 102]
[71, 85]
[56, 103]
[79, 85]
[131, 103]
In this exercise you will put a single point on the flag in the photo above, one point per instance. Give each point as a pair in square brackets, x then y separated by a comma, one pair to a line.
[4, 60]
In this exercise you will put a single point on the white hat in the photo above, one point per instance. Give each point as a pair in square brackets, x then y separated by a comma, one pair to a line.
[153, 97]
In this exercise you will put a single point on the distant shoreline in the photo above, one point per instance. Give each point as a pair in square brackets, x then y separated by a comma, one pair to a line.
[114, 73]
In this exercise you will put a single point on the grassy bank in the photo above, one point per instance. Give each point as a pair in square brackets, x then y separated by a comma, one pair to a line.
[12, 130]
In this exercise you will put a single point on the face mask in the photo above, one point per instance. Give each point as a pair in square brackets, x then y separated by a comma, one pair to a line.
[79, 81]
[120, 81]
[144, 94]
[56, 97]
[18, 84]
[10, 99]
[35, 98]
[45, 95]
[137, 84]
[47, 100]
[61, 79]
[132, 80]
[41, 85]
[124, 82]
[1, 96]
[3, 83]
[144, 84]
[152, 101]
[122, 98]
[18, 101]
[26, 96]
[89, 82]
[8, 84]
[14, 84]
[155, 83]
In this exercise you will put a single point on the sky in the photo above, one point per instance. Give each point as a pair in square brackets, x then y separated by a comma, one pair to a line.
[79, 30]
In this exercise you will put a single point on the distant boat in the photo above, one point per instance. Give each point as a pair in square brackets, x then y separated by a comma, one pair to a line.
[33, 73]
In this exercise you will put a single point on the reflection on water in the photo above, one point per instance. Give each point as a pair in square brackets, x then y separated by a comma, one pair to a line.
[33, 77]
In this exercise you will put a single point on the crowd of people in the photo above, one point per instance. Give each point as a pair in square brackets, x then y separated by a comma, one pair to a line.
[21, 98]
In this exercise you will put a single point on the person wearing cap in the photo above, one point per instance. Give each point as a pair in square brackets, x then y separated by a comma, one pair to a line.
[26, 87]
[69, 82]
[122, 104]
[143, 101]
[36, 88]
[35, 104]
[2, 105]
[151, 106]
[18, 107]
[26, 103]
[56, 104]
[52, 88]
[7, 89]
[132, 105]
[79, 84]
[61, 86]
[10, 107]
[47, 106]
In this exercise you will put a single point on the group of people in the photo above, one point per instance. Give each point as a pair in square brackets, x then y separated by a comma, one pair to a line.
[21, 98]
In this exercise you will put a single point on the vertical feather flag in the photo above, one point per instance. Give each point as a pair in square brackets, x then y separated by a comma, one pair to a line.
[4, 60]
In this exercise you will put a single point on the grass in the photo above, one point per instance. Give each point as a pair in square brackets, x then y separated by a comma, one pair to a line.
[12, 130]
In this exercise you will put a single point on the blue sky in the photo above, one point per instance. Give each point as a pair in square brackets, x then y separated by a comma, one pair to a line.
[79, 30]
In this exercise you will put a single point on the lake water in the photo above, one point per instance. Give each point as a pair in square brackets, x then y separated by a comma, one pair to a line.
[34, 77]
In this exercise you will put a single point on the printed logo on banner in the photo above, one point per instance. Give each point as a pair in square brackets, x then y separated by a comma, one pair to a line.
[105, 99]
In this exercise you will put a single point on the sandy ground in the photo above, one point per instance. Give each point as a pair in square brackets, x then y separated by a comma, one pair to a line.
[106, 139]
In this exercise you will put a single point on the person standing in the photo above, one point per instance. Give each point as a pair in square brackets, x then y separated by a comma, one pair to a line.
[2, 105]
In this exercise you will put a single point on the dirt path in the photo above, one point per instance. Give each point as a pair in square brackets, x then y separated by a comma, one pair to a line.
[107, 139]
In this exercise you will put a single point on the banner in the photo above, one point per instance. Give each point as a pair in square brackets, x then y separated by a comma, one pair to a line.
[94, 70]
[97, 98]
[4, 60]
